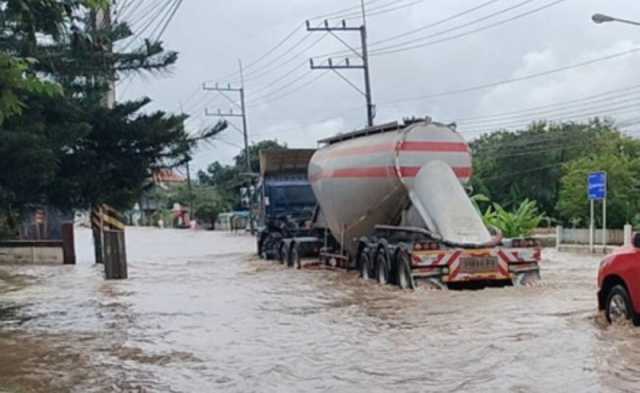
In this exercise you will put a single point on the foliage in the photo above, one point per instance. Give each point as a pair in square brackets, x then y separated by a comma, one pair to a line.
[623, 187]
[478, 199]
[228, 179]
[518, 223]
[512, 166]
[59, 142]
[206, 201]
[15, 82]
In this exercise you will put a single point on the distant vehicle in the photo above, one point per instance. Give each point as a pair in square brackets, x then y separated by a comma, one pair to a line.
[232, 221]
[286, 202]
[619, 284]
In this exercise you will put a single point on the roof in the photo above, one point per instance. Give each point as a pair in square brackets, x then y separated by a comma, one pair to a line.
[167, 176]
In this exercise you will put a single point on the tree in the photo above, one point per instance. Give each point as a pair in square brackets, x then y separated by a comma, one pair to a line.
[254, 154]
[207, 201]
[228, 179]
[510, 167]
[623, 187]
[71, 151]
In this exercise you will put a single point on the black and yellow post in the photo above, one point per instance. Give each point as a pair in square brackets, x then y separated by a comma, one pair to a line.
[110, 241]
[97, 231]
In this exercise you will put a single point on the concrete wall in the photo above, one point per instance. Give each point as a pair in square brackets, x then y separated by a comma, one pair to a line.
[577, 240]
[31, 253]
[581, 236]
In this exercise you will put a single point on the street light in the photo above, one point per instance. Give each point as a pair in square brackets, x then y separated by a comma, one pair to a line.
[601, 18]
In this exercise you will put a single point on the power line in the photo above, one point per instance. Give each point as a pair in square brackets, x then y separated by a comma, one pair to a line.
[169, 19]
[408, 44]
[616, 92]
[295, 90]
[339, 13]
[382, 10]
[268, 53]
[632, 108]
[437, 23]
[560, 109]
[273, 65]
[516, 79]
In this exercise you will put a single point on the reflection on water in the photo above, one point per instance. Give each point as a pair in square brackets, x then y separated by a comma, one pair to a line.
[200, 314]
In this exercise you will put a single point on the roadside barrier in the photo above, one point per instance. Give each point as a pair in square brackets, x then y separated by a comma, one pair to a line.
[108, 227]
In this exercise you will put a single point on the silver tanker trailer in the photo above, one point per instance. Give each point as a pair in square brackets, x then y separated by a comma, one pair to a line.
[392, 204]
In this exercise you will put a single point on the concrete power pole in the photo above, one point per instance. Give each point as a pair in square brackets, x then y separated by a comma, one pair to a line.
[363, 55]
[243, 116]
[243, 111]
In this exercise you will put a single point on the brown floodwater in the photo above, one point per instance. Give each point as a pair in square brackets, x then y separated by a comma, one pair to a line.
[201, 314]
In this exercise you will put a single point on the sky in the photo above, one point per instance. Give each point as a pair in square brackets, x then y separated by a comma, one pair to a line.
[483, 64]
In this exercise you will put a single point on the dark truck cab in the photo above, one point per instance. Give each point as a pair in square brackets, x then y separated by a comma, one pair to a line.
[286, 203]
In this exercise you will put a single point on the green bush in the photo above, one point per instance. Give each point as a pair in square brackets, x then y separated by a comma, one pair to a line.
[518, 223]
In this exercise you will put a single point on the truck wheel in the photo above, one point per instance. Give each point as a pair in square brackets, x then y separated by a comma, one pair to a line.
[403, 270]
[618, 307]
[364, 263]
[382, 267]
[295, 256]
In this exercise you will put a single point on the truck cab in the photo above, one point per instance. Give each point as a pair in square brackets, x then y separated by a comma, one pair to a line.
[286, 202]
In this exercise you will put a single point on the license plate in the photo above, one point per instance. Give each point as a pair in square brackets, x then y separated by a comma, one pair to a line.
[486, 264]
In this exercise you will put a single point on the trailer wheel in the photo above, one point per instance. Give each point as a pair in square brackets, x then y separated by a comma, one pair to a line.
[295, 256]
[382, 266]
[364, 263]
[403, 270]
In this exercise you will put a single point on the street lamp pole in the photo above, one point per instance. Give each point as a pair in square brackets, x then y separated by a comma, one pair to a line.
[602, 18]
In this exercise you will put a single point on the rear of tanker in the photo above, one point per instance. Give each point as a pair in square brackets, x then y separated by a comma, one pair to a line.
[392, 205]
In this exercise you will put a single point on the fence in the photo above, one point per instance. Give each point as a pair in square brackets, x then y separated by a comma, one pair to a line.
[576, 237]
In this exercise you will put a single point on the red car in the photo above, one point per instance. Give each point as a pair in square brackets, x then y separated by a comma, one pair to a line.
[619, 284]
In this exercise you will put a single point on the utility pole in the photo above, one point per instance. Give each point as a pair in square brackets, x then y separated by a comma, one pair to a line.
[102, 21]
[189, 185]
[243, 116]
[347, 65]
[191, 196]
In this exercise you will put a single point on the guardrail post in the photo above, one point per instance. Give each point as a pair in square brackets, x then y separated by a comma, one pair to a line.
[115, 256]
[114, 248]
[68, 244]
[558, 237]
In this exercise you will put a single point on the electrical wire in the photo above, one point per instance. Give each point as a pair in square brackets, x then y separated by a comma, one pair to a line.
[408, 44]
[293, 91]
[485, 86]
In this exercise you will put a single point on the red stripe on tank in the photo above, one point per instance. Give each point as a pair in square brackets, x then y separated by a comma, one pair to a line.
[436, 147]
[409, 146]
[378, 172]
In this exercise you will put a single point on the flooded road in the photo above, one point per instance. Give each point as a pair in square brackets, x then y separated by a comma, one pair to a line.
[200, 314]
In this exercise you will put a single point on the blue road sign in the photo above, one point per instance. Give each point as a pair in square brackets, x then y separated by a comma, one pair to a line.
[597, 186]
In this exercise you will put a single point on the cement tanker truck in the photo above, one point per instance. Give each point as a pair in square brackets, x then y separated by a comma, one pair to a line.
[392, 204]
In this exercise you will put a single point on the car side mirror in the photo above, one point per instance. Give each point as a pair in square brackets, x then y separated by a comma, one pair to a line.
[636, 240]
